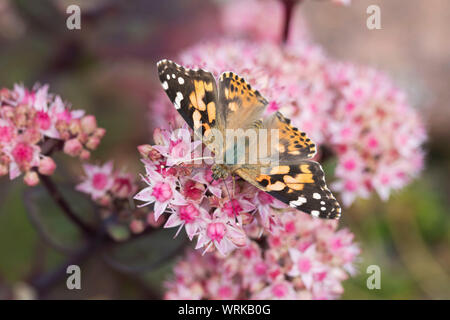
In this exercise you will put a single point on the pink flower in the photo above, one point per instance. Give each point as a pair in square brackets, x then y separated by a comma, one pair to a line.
[305, 265]
[23, 156]
[235, 207]
[123, 185]
[278, 291]
[265, 204]
[177, 147]
[193, 190]
[189, 215]
[98, 180]
[220, 234]
[7, 132]
[160, 191]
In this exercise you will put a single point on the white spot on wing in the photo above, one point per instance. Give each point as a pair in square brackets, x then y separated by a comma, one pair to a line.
[316, 195]
[168, 77]
[165, 85]
[178, 99]
[315, 213]
[180, 80]
[295, 203]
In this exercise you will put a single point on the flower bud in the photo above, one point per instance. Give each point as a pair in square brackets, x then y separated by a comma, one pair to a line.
[47, 166]
[31, 178]
[100, 132]
[137, 226]
[93, 143]
[104, 201]
[3, 170]
[151, 220]
[88, 124]
[73, 147]
[85, 154]
[75, 127]
[144, 150]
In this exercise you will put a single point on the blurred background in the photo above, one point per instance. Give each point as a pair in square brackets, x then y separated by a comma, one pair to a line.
[108, 68]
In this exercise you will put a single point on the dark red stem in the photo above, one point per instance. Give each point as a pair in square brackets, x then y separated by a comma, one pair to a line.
[56, 196]
[288, 10]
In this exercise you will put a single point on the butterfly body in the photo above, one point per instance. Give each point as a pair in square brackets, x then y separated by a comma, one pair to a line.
[234, 109]
[220, 171]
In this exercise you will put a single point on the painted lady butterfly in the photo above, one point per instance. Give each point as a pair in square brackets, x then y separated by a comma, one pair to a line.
[294, 180]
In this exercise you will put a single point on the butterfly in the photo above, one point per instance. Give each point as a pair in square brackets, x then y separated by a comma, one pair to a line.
[232, 104]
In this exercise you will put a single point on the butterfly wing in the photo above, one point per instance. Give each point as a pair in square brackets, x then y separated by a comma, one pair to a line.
[293, 144]
[301, 186]
[241, 104]
[193, 93]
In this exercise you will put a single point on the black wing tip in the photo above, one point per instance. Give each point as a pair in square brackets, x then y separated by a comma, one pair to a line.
[335, 213]
[165, 63]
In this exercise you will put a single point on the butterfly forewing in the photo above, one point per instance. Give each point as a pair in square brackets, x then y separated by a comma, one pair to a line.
[241, 104]
[192, 92]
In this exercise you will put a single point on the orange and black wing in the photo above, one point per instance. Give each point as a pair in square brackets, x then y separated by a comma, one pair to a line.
[192, 92]
[301, 186]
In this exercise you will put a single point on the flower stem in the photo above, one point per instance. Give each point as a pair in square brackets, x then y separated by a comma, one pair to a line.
[57, 196]
[288, 10]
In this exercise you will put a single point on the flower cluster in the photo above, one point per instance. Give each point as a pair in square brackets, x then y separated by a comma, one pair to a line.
[189, 194]
[221, 214]
[375, 133]
[32, 124]
[353, 111]
[111, 190]
[104, 185]
[304, 258]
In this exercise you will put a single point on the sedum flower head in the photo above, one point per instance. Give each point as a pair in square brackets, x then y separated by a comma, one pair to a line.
[32, 123]
[303, 258]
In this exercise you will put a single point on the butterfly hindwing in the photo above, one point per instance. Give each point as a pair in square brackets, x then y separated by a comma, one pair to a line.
[192, 92]
[301, 186]
[293, 144]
